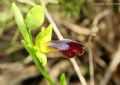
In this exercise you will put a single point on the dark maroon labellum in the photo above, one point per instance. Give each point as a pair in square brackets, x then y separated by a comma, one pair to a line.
[67, 47]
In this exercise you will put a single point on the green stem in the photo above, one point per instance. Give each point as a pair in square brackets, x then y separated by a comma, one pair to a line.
[32, 51]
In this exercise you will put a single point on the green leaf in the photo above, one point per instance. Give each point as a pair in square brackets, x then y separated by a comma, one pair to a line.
[42, 58]
[35, 17]
[62, 79]
[20, 22]
[43, 38]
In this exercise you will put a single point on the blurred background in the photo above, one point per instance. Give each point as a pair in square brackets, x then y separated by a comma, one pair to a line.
[95, 23]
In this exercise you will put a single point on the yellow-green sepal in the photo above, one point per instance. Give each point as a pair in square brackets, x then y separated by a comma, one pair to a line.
[43, 38]
[20, 22]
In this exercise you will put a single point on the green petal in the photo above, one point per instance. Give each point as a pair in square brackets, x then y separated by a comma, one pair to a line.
[42, 58]
[35, 17]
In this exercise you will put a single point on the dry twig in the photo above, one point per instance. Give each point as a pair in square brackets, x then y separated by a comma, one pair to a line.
[94, 31]
[111, 68]
[91, 65]
[14, 73]
[75, 65]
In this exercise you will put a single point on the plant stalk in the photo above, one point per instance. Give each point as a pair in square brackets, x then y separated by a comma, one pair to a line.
[32, 51]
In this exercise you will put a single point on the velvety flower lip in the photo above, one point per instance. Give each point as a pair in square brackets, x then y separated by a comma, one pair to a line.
[68, 47]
